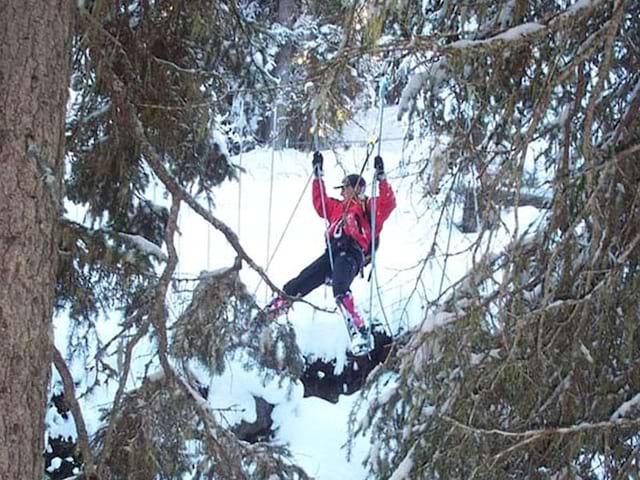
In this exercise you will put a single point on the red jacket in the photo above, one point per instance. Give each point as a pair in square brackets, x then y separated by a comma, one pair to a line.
[357, 222]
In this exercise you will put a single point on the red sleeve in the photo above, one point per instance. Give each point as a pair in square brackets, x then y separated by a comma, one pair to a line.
[331, 203]
[386, 202]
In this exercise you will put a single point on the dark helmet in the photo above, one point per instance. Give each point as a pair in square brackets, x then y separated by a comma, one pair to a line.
[353, 180]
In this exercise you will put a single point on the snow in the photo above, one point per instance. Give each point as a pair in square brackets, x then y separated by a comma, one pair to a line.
[55, 464]
[218, 138]
[144, 245]
[411, 90]
[317, 431]
[581, 5]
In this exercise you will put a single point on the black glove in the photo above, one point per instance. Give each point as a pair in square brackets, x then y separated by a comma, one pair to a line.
[378, 164]
[317, 164]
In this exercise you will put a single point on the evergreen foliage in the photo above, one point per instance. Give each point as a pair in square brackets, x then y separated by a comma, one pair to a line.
[527, 368]
[152, 82]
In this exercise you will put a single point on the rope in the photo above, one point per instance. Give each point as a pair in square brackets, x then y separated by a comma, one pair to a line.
[295, 209]
[372, 222]
[273, 154]
[240, 188]
[374, 203]
[383, 90]
[328, 223]
[275, 250]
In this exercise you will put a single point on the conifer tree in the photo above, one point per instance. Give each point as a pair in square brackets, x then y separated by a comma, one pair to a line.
[528, 366]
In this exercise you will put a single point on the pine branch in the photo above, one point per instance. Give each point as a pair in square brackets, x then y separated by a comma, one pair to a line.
[152, 157]
[72, 401]
[603, 74]
[545, 432]
[105, 455]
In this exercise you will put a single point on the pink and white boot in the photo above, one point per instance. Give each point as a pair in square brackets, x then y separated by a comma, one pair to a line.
[356, 326]
[278, 306]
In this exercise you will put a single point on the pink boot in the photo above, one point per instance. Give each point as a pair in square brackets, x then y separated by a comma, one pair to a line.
[347, 302]
[278, 306]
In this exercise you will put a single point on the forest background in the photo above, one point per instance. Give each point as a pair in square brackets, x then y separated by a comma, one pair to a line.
[525, 367]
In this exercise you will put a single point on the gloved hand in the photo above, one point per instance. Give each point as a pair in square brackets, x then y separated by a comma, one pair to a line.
[317, 164]
[378, 164]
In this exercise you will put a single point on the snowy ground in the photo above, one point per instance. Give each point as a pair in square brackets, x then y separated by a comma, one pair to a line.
[259, 208]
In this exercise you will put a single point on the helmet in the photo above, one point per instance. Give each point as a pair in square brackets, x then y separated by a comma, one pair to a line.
[353, 180]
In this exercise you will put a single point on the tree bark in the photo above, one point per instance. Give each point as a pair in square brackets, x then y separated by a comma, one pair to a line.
[34, 75]
[287, 14]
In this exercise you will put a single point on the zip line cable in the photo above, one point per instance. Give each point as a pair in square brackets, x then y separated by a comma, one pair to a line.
[286, 228]
[240, 188]
[374, 203]
[273, 154]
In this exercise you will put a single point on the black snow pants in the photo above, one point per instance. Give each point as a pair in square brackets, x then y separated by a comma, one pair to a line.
[348, 260]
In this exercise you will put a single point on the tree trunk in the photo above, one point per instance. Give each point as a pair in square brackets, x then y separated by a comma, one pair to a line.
[287, 14]
[34, 70]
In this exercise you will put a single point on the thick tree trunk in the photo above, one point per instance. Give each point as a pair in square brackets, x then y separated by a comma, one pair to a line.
[34, 66]
[287, 14]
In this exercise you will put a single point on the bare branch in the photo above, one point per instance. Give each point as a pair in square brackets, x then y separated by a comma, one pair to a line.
[72, 401]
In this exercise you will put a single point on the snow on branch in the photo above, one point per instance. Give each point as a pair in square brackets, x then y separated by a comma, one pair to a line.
[404, 469]
[529, 30]
[514, 34]
[537, 434]
[72, 402]
[626, 408]
[434, 74]
[144, 245]
[520, 33]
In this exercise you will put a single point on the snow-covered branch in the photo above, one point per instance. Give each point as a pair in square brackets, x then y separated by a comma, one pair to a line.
[144, 245]
[626, 408]
[546, 432]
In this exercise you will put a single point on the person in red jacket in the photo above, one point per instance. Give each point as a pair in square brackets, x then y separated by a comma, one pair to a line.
[349, 238]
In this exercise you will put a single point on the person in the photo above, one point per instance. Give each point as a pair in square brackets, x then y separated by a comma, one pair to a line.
[349, 238]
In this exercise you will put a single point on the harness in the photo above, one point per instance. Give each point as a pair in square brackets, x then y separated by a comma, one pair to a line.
[337, 235]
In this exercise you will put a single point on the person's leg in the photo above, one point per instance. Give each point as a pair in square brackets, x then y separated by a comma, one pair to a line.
[309, 278]
[346, 267]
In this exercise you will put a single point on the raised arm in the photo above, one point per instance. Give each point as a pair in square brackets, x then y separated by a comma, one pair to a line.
[319, 192]
[386, 200]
